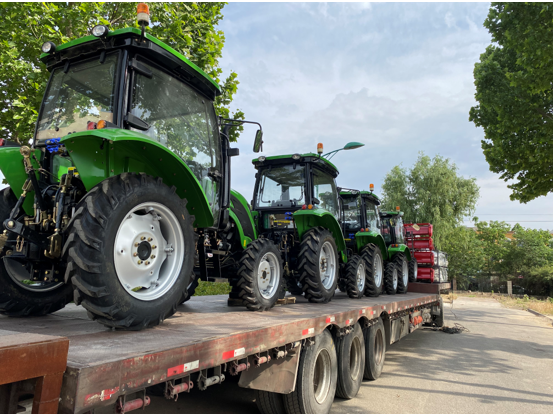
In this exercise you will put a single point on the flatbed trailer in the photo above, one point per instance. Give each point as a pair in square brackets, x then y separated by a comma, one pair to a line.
[204, 341]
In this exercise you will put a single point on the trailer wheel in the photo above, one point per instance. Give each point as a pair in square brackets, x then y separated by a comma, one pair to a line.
[18, 298]
[438, 320]
[375, 350]
[130, 257]
[390, 278]
[270, 402]
[413, 270]
[318, 265]
[260, 275]
[403, 272]
[372, 257]
[316, 380]
[356, 275]
[351, 363]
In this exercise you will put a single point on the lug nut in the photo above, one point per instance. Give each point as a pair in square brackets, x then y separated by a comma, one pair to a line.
[150, 239]
[11, 224]
[143, 238]
[147, 263]
[136, 245]
[153, 256]
[135, 254]
[154, 247]
[140, 262]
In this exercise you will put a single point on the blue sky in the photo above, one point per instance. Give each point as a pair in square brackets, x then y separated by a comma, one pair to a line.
[395, 76]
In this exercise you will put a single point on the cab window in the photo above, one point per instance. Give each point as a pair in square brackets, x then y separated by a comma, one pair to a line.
[324, 188]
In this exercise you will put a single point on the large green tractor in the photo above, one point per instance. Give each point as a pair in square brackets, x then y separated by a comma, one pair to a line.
[125, 188]
[380, 259]
[297, 212]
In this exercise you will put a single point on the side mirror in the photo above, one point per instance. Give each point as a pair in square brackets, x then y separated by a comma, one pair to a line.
[316, 200]
[258, 143]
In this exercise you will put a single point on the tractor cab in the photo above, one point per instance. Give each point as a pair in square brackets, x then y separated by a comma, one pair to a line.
[392, 227]
[359, 213]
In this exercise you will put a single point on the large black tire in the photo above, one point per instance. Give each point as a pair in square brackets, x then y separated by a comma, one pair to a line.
[320, 357]
[375, 350]
[270, 402]
[372, 256]
[16, 300]
[191, 289]
[413, 270]
[356, 269]
[438, 320]
[249, 267]
[90, 252]
[351, 363]
[309, 267]
[390, 278]
[403, 272]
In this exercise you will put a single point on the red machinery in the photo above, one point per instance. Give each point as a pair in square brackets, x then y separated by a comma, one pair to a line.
[432, 264]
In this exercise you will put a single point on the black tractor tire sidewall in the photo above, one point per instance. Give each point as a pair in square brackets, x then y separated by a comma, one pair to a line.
[309, 269]
[368, 254]
[302, 400]
[15, 300]
[413, 270]
[399, 259]
[191, 289]
[351, 277]
[373, 367]
[126, 311]
[389, 269]
[348, 387]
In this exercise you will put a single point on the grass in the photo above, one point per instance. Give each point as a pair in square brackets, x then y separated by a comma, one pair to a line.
[211, 288]
[545, 307]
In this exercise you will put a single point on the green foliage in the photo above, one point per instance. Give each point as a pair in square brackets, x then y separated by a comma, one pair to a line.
[466, 256]
[210, 288]
[515, 97]
[431, 192]
[494, 245]
[529, 250]
[189, 28]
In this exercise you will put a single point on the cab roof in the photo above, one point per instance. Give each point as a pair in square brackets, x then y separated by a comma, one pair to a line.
[151, 48]
[309, 157]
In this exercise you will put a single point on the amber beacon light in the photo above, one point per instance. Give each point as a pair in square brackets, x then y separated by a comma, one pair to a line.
[143, 14]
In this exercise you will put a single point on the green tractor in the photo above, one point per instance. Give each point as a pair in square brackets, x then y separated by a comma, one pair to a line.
[380, 259]
[125, 188]
[297, 213]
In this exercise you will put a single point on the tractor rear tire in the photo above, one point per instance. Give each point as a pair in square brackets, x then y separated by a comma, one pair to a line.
[269, 402]
[413, 270]
[260, 275]
[191, 289]
[375, 350]
[356, 275]
[390, 278]
[111, 216]
[403, 272]
[15, 300]
[374, 264]
[351, 363]
[316, 378]
[318, 250]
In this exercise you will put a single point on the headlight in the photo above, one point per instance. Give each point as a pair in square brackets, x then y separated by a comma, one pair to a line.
[296, 156]
[261, 159]
[100, 30]
[48, 47]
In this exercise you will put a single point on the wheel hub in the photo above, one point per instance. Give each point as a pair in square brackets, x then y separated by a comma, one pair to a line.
[144, 250]
[268, 275]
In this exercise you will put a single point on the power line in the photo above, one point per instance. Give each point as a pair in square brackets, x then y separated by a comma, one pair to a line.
[513, 214]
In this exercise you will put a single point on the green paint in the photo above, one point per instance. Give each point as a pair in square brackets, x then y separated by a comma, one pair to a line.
[135, 31]
[307, 219]
[363, 238]
[245, 204]
[289, 156]
[11, 165]
[244, 240]
[129, 151]
[392, 251]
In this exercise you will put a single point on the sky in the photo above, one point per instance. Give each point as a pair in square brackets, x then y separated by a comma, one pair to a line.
[397, 77]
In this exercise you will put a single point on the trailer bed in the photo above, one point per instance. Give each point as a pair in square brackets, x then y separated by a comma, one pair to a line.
[204, 333]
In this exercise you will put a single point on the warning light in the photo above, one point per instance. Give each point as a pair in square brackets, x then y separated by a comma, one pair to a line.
[143, 14]
[397, 208]
[320, 148]
[371, 187]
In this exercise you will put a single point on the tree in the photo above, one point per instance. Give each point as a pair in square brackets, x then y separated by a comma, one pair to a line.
[494, 245]
[466, 257]
[431, 192]
[189, 28]
[515, 97]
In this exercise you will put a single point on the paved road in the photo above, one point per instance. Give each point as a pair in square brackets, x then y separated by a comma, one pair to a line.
[503, 365]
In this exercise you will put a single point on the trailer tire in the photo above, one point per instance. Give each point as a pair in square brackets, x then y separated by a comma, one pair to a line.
[270, 402]
[438, 320]
[351, 363]
[390, 278]
[356, 277]
[375, 350]
[413, 270]
[261, 259]
[317, 249]
[372, 256]
[15, 300]
[318, 365]
[403, 272]
[99, 276]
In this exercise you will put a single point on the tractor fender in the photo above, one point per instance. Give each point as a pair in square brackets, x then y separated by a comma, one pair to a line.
[402, 248]
[241, 215]
[307, 219]
[363, 238]
[101, 153]
[11, 165]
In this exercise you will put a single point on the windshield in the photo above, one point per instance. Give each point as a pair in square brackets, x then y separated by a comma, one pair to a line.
[75, 101]
[282, 187]
[324, 189]
[352, 214]
[372, 216]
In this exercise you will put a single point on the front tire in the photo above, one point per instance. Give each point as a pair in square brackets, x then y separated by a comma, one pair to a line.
[116, 236]
[356, 277]
[390, 278]
[260, 275]
[413, 270]
[318, 265]
[372, 256]
[403, 272]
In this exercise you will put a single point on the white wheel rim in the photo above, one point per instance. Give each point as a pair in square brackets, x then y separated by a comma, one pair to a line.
[416, 270]
[405, 275]
[150, 228]
[378, 271]
[394, 278]
[268, 275]
[361, 277]
[327, 265]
